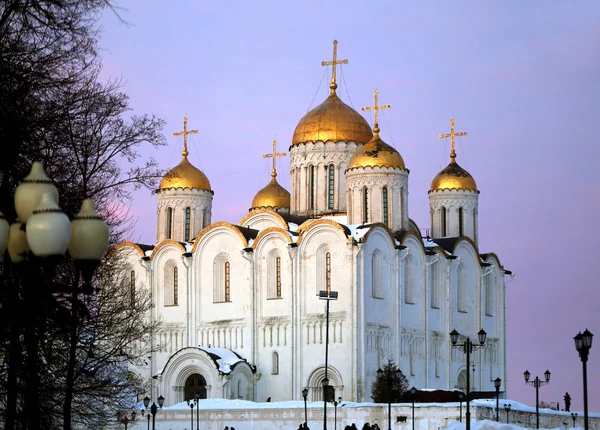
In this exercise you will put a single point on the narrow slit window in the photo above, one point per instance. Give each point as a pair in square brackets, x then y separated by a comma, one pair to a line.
[461, 221]
[227, 282]
[365, 205]
[311, 176]
[443, 221]
[175, 286]
[328, 271]
[384, 198]
[188, 213]
[169, 223]
[331, 186]
[278, 277]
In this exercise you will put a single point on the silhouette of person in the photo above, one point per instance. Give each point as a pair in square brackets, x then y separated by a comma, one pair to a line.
[353, 427]
[567, 402]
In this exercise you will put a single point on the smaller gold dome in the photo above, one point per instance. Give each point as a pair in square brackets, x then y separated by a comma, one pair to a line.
[184, 175]
[272, 196]
[453, 177]
[332, 120]
[376, 153]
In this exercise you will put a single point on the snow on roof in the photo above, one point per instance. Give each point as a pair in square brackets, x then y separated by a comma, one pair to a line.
[428, 243]
[357, 231]
[226, 358]
[292, 226]
[340, 219]
[148, 253]
[189, 246]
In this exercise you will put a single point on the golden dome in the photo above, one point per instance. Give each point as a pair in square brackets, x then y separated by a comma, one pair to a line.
[272, 196]
[184, 175]
[332, 120]
[453, 177]
[376, 153]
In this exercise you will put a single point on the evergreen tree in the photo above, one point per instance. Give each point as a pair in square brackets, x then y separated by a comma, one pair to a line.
[388, 387]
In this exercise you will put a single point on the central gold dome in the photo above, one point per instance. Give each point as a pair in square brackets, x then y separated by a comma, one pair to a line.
[272, 196]
[376, 153]
[332, 120]
[185, 175]
[453, 177]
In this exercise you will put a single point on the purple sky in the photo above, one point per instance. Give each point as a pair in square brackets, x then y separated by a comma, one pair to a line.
[521, 77]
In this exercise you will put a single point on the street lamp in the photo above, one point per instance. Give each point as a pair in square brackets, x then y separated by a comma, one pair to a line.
[153, 409]
[583, 343]
[461, 396]
[124, 418]
[537, 383]
[305, 394]
[191, 403]
[37, 241]
[327, 295]
[507, 408]
[389, 379]
[413, 392]
[467, 346]
[574, 417]
[497, 383]
[335, 403]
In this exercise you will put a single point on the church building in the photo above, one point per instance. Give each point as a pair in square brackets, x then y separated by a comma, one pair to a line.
[242, 306]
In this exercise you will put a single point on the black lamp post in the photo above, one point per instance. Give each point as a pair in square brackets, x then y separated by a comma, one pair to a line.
[305, 394]
[461, 396]
[124, 418]
[389, 379]
[413, 392]
[583, 343]
[537, 383]
[574, 417]
[37, 241]
[497, 383]
[507, 408]
[467, 346]
[197, 410]
[327, 295]
[335, 404]
[153, 409]
[191, 403]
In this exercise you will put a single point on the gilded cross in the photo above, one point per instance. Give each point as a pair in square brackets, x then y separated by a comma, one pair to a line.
[376, 108]
[274, 156]
[333, 63]
[451, 136]
[185, 133]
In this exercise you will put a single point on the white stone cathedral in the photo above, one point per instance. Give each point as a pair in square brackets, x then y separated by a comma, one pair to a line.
[239, 304]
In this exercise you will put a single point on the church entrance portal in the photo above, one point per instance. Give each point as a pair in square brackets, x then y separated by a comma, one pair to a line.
[195, 384]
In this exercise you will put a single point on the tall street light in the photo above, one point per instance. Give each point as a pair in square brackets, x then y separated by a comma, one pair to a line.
[574, 418]
[389, 379]
[153, 409]
[327, 295]
[583, 343]
[537, 383]
[335, 404]
[37, 241]
[413, 392]
[124, 418]
[497, 383]
[467, 346]
[191, 403]
[305, 394]
[507, 408]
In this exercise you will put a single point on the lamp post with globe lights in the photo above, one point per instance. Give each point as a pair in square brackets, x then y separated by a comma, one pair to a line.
[152, 409]
[467, 346]
[305, 394]
[497, 383]
[125, 418]
[335, 405]
[537, 383]
[583, 343]
[507, 408]
[574, 418]
[389, 379]
[37, 241]
[413, 394]
[328, 296]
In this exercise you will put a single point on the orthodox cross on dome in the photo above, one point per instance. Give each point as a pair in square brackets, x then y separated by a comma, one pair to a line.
[376, 108]
[185, 133]
[333, 63]
[451, 136]
[274, 156]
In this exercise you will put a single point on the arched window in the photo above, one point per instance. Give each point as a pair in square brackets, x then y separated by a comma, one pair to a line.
[188, 214]
[365, 205]
[323, 269]
[275, 363]
[377, 289]
[169, 226]
[384, 198]
[461, 221]
[311, 180]
[436, 284]
[489, 298]
[222, 279]
[330, 186]
[409, 280]
[132, 289]
[461, 382]
[273, 275]
[171, 283]
[461, 296]
[443, 221]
